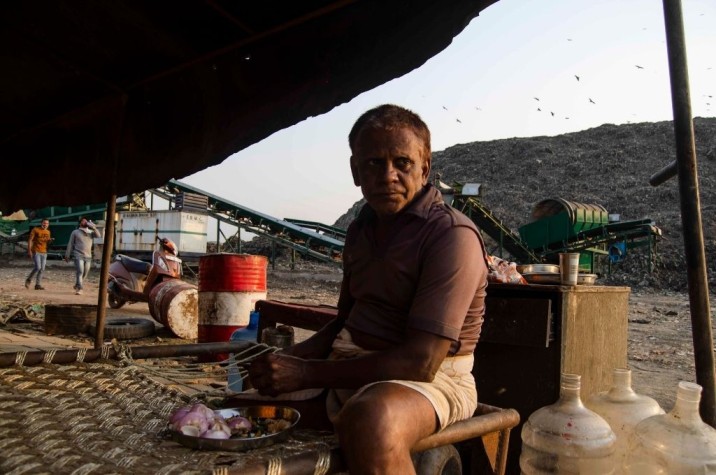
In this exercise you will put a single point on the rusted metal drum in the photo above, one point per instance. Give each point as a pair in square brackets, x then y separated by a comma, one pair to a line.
[174, 304]
[229, 286]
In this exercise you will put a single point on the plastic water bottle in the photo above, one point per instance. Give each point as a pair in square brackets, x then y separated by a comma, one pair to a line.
[623, 409]
[235, 381]
[676, 443]
[566, 437]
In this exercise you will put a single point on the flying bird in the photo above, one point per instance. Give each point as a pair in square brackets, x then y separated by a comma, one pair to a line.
[639, 67]
[539, 110]
[569, 39]
[444, 107]
[536, 98]
[590, 100]
[477, 108]
[551, 113]
[576, 77]
[459, 120]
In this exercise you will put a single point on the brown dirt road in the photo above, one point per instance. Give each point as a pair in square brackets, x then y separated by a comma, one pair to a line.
[660, 345]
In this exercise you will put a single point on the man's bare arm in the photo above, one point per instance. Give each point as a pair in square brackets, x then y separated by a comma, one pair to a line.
[319, 344]
[417, 359]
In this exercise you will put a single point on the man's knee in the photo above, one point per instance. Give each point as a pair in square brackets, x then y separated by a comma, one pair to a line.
[372, 415]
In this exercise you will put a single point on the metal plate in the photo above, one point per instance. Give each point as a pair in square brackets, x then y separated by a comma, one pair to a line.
[554, 279]
[542, 278]
[538, 269]
[244, 443]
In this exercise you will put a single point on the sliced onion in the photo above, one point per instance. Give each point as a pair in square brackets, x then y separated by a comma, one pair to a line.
[208, 413]
[191, 431]
[239, 423]
[215, 434]
[178, 414]
[193, 419]
[219, 424]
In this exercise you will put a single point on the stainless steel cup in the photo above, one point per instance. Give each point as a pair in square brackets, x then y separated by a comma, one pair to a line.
[569, 268]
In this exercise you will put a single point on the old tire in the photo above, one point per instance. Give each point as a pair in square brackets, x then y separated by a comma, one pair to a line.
[443, 460]
[126, 328]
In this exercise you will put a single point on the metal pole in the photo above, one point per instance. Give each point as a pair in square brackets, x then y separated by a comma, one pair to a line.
[137, 352]
[691, 210]
[104, 271]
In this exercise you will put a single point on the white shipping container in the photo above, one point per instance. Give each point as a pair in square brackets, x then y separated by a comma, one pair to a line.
[137, 230]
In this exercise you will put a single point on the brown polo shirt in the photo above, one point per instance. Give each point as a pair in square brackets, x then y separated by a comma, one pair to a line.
[429, 275]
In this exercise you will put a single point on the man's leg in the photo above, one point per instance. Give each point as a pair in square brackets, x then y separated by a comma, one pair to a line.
[28, 281]
[40, 263]
[378, 427]
[79, 270]
[88, 265]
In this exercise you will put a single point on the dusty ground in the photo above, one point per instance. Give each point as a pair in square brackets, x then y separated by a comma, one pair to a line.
[660, 345]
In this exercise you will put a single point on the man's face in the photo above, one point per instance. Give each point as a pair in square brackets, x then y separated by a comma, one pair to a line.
[83, 223]
[45, 224]
[390, 167]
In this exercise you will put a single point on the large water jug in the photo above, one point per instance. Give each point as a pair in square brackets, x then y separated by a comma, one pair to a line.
[249, 333]
[676, 443]
[566, 437]
[623, 409]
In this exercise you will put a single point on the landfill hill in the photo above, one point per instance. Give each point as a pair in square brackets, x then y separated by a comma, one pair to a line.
[609, 165]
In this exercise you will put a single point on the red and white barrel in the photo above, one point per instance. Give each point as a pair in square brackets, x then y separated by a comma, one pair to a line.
[229, 287]
[174, 304]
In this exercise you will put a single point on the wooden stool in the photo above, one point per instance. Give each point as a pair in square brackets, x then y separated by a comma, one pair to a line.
[486, 435]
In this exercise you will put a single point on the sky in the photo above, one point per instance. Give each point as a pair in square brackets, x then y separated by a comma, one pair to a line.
[522, 68]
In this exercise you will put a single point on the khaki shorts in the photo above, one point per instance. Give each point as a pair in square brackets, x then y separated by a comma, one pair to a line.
[452, 393]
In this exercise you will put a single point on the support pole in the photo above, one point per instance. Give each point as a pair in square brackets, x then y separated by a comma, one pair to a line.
[137, 352]
[691, 210]
[104, 271]
[218, 232]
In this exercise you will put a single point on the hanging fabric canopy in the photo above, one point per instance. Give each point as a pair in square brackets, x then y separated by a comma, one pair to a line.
[119, 96]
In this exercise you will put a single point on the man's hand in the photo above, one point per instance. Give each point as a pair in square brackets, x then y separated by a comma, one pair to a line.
[274, 374]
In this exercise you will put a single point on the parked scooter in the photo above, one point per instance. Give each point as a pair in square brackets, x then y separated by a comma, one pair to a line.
[131, 280]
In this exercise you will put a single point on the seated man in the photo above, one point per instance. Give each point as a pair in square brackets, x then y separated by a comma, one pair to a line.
[398, 358]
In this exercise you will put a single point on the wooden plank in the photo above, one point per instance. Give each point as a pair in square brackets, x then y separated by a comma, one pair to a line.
[594, 335]
[309, 317]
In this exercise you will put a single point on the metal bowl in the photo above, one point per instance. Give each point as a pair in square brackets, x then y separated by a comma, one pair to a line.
[243, 443]
[586, 279]
[538, 269]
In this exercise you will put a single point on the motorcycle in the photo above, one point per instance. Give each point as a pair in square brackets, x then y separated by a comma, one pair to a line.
[132, 280]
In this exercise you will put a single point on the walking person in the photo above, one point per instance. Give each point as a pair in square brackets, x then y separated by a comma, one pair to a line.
[80, 250]
[40, 236]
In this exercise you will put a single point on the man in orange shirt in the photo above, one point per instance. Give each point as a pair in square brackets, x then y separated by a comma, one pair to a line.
[37, 250]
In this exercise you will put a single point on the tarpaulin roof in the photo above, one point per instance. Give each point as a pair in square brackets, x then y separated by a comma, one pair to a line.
[117, 96]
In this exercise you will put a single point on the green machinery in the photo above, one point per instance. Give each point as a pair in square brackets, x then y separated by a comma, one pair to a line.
[558, 226]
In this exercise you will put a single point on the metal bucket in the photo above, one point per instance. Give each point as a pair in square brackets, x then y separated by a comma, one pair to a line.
[174, 304]
[229, 287]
